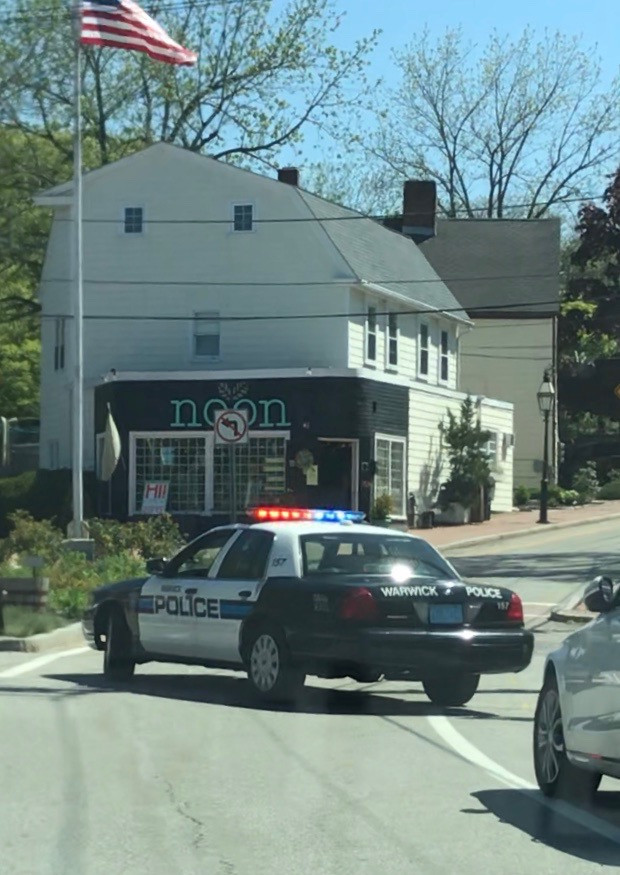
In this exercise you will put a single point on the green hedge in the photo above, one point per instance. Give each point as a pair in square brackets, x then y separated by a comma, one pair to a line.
[44, 495]
[610, 491]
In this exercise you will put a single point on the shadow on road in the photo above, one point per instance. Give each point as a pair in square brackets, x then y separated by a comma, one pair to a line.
[235, 692]
[573, 568]
[545, 823]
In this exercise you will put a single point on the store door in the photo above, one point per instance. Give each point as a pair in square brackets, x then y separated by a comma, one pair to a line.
[335, 475]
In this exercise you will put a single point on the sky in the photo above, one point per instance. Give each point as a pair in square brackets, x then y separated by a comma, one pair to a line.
[596, 21]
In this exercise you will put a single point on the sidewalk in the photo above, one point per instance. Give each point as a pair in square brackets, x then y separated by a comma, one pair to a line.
[517, 524]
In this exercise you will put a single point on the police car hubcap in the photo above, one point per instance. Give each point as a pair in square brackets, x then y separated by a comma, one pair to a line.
[265, 662]
[550, 737]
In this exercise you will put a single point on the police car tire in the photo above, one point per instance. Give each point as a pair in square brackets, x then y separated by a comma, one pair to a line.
[266, 642]
[116, 665]
[570, 782]
[451, 691]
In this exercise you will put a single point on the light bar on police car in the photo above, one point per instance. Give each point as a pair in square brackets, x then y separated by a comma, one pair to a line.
[297, 514]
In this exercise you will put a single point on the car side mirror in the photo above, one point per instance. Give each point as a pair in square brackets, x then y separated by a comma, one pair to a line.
[155, 566]
[599, 596]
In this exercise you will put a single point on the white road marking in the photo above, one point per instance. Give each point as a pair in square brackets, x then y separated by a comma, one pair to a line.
[446, 731]
[540, 604]
[40, 661]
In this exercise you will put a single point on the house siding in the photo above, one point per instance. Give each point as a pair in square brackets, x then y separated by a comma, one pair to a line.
[506, 359]
[428, 467]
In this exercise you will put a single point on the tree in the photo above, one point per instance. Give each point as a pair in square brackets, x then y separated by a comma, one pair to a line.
[589, 326]
[516, 131]
[261, 79]
[466, 445]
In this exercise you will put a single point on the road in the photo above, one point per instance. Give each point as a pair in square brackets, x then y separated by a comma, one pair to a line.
[182, 773]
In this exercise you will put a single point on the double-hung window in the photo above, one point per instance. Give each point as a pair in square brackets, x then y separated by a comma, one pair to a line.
[444, 357]
[243, 217]
[371, 334]
[424, 349]
[206, 336]
[133, 220]
[392, 340]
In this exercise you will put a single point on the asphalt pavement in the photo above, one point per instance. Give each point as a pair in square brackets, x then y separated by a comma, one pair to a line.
[181, 772]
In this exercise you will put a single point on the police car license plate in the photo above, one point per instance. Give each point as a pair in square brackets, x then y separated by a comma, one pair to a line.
[445, 614]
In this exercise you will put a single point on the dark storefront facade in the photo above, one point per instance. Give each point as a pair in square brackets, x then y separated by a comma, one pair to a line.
[331, 442]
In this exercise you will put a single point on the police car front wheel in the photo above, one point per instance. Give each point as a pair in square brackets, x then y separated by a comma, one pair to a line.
[117, 666]
[270, 669]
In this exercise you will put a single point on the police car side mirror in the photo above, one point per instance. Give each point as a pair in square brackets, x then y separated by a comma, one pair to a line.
[599, 596]
[155, 566]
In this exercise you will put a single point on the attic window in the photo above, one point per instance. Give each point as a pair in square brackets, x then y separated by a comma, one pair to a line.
[134, 220]
[243, 217]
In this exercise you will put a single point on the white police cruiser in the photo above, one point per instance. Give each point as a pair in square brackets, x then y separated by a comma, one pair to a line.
[312, 592]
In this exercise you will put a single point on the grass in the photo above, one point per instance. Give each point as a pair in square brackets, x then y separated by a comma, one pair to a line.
[21, 622]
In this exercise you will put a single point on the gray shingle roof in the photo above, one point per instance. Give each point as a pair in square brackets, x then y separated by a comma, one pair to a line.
[490, 262]
[377, 255]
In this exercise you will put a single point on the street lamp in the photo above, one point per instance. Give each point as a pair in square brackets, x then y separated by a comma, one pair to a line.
[546, 396]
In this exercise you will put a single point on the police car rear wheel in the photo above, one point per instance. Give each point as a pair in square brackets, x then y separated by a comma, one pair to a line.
[451, 691]
[117, 666]
[269, 667]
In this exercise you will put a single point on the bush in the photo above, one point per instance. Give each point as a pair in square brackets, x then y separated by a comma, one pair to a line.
[73, 577]
[521, 495]
[610, 491]
[31, 537]
[585, 482]
[382, 508]
[157, 536]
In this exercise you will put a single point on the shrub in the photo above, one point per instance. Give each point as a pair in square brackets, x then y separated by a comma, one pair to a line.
[585, 482]
[569, 496]
[383, 506]
[521, 495]
[157, 536]
[610, 491]
[73, 577]
[31, 537]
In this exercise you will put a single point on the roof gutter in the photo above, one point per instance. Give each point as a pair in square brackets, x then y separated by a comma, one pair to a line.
[404, 299]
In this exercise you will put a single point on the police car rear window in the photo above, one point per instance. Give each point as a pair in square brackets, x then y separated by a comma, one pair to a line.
[336, 553]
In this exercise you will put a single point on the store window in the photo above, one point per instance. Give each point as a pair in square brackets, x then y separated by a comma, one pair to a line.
[178, 461]
[260, 468]
[390, 474]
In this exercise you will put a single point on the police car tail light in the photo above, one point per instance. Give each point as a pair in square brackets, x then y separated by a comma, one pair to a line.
[359, 604]
[515, 609]
[298, 514]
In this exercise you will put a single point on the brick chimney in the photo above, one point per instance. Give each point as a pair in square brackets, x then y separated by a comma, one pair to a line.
[419, 209]
[289, 175]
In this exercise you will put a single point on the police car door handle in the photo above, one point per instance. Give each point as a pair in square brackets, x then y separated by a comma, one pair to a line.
[245, 593]
[191, 591]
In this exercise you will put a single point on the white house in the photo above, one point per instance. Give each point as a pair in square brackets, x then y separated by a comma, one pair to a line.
[207, 286]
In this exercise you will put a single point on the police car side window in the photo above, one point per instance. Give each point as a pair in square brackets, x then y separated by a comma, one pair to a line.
[197, 558]
[247, 557]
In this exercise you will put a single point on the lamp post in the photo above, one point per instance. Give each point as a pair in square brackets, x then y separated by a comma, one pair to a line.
[545, 396]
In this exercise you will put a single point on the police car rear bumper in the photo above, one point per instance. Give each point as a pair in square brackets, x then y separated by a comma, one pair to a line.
[424, 652]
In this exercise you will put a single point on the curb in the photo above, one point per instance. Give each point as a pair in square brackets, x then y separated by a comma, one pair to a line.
[571, 616]
[62, 638]
[505, 536]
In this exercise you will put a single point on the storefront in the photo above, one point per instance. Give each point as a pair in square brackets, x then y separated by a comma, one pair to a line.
[314, 441]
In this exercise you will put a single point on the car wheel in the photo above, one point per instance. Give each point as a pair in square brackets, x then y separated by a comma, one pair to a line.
[117, 666]
[270, 669]
[366, 676]
[451, 691]
[555, 775]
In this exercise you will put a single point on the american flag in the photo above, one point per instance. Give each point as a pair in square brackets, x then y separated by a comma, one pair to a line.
[122, 24]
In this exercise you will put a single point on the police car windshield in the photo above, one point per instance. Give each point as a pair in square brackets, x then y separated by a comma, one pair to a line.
[335, 553]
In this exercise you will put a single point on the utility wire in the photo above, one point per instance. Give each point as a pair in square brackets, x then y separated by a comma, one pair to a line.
[323, 283]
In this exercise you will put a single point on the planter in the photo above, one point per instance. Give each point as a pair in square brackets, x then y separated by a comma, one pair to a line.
[384, 522]
[456, 515]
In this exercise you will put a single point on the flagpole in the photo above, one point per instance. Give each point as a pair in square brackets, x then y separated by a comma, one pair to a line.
[77, 443]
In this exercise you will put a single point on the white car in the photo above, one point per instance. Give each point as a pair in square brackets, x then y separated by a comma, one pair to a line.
[577, 720]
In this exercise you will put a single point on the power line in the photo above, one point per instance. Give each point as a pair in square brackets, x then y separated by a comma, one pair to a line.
[123, 317]
[152, 8]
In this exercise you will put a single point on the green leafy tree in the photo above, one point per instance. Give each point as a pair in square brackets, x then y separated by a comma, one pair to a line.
[466, 446]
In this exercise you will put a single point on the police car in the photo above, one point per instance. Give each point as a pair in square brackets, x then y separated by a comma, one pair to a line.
[300, 592]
